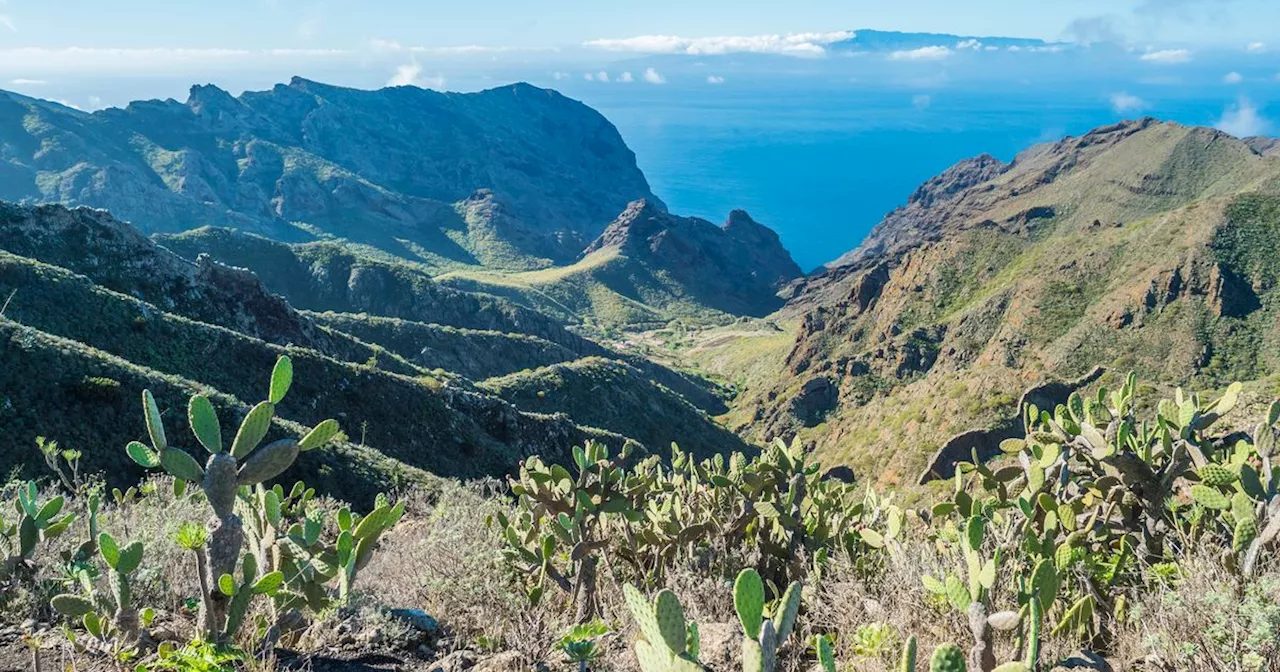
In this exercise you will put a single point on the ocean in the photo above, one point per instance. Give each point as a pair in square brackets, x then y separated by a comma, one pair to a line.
[822, 165]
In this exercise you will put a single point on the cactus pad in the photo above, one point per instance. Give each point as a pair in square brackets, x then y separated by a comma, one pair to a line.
[253, 429]
[268, 463]
[670, 618]
[154, 427]
[1210, 498]
[281, 379]
[322, 433]
[748, 601]
[204, 423]
[177, 462]
[947, 658]
[1217, 475]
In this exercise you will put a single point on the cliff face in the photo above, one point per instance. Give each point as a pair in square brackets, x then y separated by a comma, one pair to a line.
[736, 268]
[379, 167]
[1135, 246]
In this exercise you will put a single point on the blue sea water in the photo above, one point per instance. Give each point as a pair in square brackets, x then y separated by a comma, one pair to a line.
[822, 165]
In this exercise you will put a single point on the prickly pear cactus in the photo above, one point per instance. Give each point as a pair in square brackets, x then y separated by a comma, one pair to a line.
[668, 643]
[35, 523]
[763, 636]
[221, 478]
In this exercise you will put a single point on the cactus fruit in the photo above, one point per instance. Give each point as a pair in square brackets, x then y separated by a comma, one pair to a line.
[947, 658]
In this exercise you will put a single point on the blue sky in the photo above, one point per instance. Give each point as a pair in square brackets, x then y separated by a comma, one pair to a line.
[319, 24]
[91, 54]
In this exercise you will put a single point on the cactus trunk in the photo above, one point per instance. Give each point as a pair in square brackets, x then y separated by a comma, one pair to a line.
[585, 590]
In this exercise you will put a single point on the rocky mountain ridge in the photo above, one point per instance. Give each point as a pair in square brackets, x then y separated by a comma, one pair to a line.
[398, 168]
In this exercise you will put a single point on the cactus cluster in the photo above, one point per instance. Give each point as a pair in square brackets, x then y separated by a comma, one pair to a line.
[559, 512]
[652, 514]
[112, 614]
[32, 523]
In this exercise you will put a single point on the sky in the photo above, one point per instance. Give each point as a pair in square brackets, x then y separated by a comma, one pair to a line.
[348, 24]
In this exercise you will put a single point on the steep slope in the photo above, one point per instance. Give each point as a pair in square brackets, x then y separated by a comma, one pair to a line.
[649, 266]
[436, 176]
[1143, 245]
[440, 423]
[88, 400]
[472, 353]
[620, 398]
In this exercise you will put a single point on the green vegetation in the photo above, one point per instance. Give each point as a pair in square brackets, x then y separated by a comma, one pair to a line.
[617, 397]
[1077, 538]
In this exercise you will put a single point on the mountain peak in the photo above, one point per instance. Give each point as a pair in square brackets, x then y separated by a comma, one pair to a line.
[203, 97]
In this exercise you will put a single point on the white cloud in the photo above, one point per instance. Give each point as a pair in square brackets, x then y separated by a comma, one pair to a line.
[410, 74]
[798, 44]
[969, 44]
[602, 76]
[654, 77]
[560, 75]
[1256, 47]
[626, 78]
[935, 53]
[22, 81]
[1123, 103]
[589, 76]
[1232, 78]
[95, 103]
[922, 101]
[715, 79]
[1243, 120]
[1167, 56]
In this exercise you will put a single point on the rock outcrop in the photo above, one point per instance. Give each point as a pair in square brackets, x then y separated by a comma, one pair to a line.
[736, 268]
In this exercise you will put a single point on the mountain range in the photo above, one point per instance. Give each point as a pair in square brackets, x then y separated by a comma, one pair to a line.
[468, 279]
